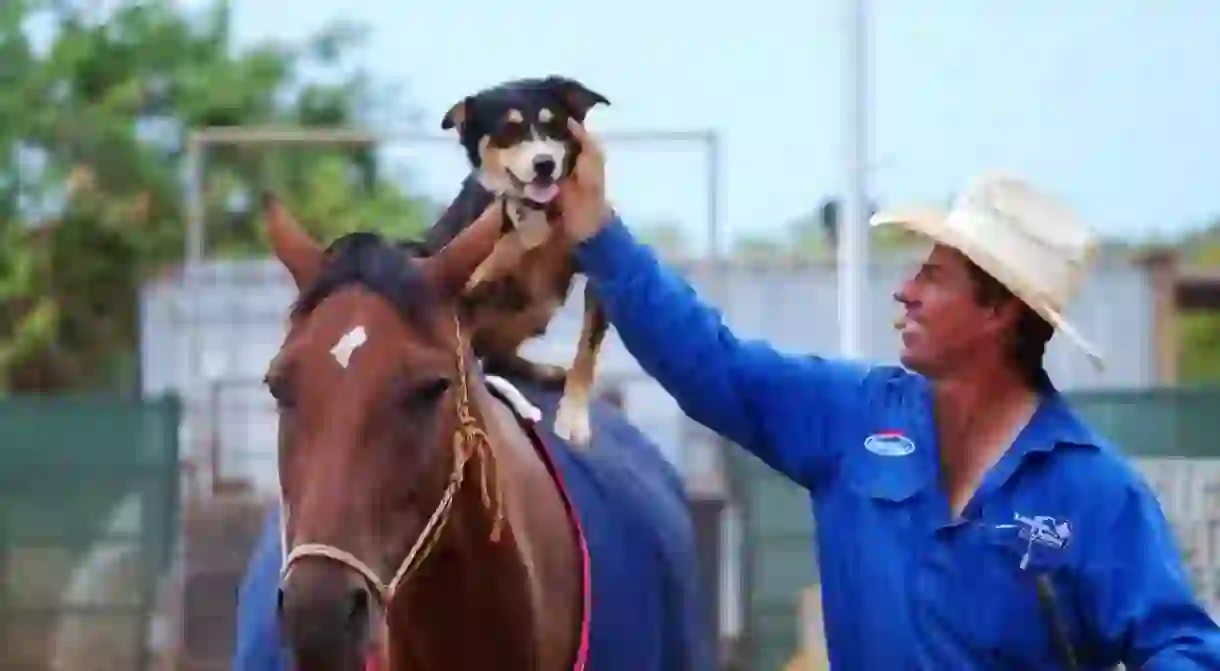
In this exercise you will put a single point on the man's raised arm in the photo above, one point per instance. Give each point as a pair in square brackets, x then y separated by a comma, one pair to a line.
[777, 406]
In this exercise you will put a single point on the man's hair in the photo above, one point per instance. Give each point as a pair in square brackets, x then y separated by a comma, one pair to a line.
[1027, 347]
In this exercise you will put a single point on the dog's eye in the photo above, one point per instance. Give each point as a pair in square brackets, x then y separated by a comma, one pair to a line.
[557, 128]
[512, 132]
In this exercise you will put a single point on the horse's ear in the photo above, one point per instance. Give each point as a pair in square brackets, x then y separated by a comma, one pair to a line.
[451, 267]
[295, 248]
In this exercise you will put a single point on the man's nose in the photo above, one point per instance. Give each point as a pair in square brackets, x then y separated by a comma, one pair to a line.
[905, 294]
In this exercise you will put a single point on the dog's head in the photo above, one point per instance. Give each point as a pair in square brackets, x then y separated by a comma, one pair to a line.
[516, 134]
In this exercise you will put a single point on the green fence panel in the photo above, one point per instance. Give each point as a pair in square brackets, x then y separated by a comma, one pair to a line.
[88, 515]
[777, 529]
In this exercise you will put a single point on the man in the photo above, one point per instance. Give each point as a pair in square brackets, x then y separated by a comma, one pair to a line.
[949, 493]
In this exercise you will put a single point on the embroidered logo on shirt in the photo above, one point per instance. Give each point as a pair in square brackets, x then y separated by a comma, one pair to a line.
[1042, 530]
[889, 444]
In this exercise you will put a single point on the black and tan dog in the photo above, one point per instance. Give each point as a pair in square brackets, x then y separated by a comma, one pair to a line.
[517, 140]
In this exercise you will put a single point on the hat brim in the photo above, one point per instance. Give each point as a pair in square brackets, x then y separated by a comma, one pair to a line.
[931, 224]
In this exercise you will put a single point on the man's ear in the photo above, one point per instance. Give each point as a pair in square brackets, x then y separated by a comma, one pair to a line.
[451, 267]
[1005, 315]
[456, 116]
[578, 98]
[295, 248]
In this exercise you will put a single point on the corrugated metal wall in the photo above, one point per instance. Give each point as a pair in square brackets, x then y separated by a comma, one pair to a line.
[244, 305]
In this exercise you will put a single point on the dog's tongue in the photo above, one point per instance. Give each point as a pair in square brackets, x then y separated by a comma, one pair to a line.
[541, 194]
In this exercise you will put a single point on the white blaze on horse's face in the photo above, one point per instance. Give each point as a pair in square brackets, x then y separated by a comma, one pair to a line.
[348, 344]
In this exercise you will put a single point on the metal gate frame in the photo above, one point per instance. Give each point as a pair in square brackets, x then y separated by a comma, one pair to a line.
[201, 140]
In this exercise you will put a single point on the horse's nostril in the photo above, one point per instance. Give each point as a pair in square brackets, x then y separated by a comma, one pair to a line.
[358, 609]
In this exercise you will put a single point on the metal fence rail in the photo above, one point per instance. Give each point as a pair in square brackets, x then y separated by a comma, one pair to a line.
[1171, 433]
[88, 515]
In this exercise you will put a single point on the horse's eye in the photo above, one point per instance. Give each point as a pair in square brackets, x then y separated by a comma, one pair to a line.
[432, 389]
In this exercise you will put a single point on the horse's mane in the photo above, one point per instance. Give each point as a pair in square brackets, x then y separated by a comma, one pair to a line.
[377, 264]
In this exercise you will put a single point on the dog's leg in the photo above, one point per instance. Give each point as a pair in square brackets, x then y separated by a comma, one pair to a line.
[506, 254]
[524, 229]
[572, 421]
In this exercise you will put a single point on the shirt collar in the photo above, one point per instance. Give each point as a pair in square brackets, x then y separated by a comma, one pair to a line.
[1054, 423]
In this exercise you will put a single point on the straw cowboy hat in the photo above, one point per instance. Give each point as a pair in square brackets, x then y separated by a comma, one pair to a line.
[1026, 239]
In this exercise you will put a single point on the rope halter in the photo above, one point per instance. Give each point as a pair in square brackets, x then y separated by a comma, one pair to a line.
[470, 440]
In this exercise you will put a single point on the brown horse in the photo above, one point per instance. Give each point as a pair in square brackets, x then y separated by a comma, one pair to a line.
[422, 527]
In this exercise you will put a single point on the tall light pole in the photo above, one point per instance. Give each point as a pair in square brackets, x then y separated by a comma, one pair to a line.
[853, 225]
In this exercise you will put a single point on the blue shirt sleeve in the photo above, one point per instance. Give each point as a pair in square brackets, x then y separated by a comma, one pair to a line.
[779, 407]
[1140, 601]
[257, 646]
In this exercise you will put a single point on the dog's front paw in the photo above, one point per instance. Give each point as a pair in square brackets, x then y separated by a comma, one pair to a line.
[572, 422]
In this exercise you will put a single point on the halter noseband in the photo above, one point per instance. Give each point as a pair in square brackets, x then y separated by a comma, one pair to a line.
[469, 440]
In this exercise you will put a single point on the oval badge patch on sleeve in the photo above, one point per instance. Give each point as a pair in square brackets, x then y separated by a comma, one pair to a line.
[889, 444]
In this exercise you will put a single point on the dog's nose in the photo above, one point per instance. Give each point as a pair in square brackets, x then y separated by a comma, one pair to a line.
[544, 167]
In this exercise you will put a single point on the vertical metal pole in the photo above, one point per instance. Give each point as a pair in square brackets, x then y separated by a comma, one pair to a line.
[853, 226]
[195, 384]
[714, 177]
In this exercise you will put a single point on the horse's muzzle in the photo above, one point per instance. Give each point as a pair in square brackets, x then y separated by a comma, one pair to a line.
[326, 616]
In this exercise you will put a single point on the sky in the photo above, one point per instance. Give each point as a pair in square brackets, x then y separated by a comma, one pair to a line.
[1113, 104]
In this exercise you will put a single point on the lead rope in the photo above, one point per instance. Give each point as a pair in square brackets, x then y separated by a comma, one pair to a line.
[469, 440]
[1055, 623]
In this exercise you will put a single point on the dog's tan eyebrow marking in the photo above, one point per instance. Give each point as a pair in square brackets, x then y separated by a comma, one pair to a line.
[545, 115]
[515, 116]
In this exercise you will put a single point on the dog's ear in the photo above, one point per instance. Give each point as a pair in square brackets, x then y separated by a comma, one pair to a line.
[456, 116]
[578, 98]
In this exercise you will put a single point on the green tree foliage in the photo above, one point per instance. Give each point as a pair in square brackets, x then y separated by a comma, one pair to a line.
[94, 116]
[1199, 355]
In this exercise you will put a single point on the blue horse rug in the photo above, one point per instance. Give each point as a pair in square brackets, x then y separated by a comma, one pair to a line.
[647, 610]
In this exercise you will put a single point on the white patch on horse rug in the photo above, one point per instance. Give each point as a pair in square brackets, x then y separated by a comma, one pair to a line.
[514, 398]
[348, 344]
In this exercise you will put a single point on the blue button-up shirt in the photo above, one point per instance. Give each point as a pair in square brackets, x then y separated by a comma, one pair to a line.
[905, 586]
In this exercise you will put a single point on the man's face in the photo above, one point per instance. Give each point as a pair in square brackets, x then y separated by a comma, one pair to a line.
[943, 323]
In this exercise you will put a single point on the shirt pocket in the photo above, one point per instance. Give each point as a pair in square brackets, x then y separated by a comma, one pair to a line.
[884, 478]
[1018, 628]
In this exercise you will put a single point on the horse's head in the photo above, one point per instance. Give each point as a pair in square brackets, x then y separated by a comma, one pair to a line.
[370, 382]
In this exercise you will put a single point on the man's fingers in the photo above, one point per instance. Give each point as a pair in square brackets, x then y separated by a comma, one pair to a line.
[587, 142]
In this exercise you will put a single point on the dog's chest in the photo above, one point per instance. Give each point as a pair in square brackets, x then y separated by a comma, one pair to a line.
[528, 221]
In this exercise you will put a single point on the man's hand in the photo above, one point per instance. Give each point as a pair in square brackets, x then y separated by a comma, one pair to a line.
[582, 196]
